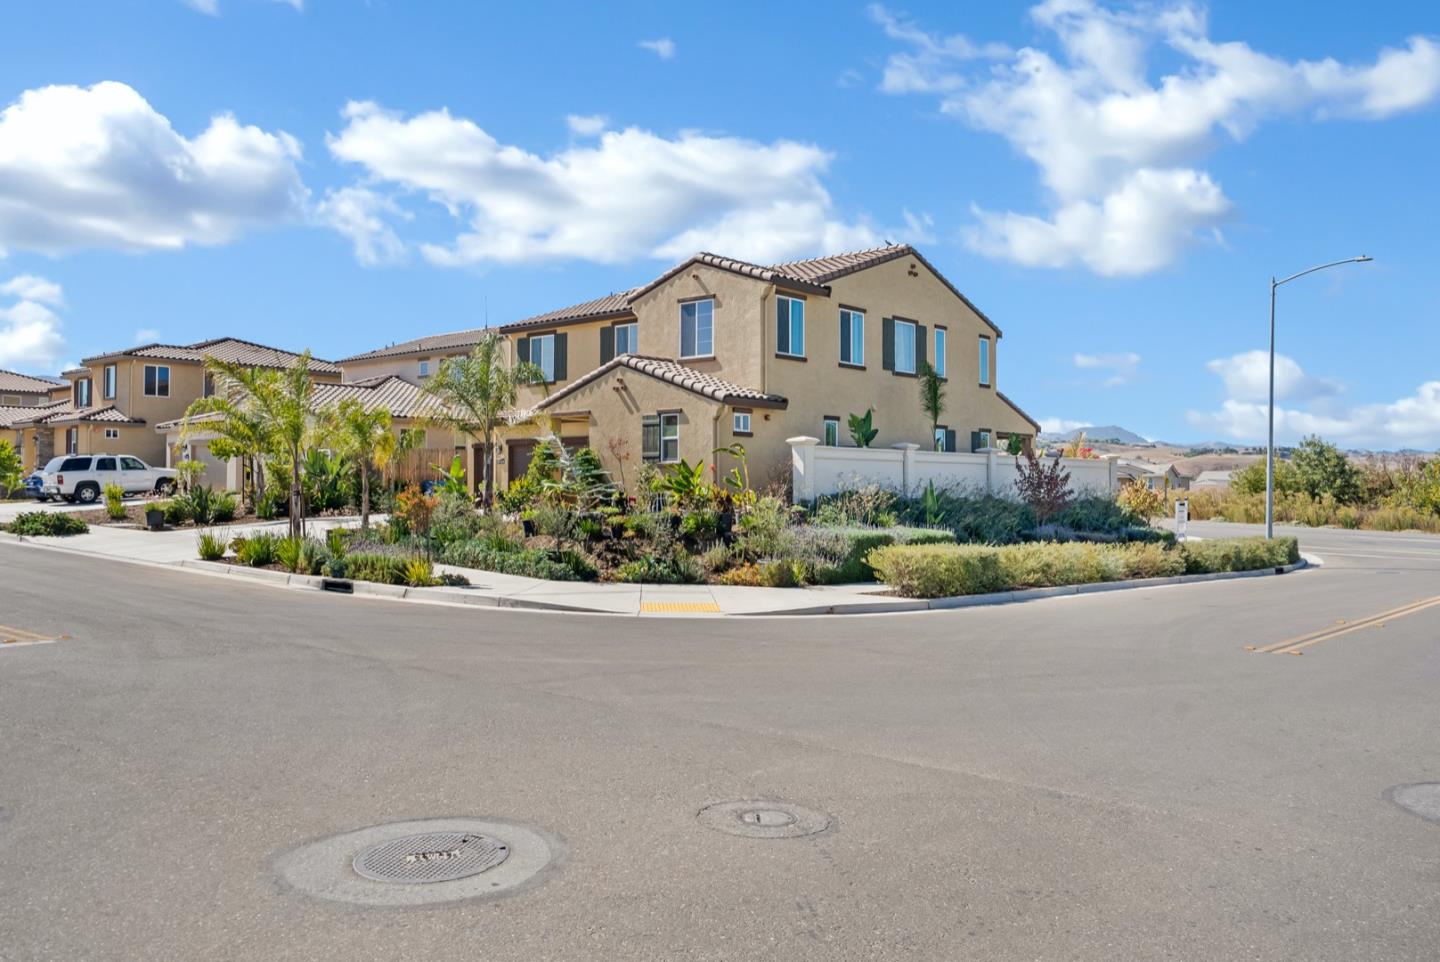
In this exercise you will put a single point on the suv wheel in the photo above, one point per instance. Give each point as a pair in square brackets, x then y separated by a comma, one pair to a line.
[88, 493]
[165, 486]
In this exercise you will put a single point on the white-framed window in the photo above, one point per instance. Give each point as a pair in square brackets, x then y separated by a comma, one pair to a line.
[940, 351]
[107, 383]
[740, 422]
[984, 361]
[939, 438]
[627, 338]
[852, 337]
[660, 437]
[425, 368]
[832, 432]
[697, 328]
[72, 442]
[112, 434]
[82, 393]
[789, 326]
[157, 380]
[905, 347]
[542, 354]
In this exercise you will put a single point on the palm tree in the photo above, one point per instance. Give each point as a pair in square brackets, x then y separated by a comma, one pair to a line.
[276, 406]
[365, 437]
[932, 397]
[238, 428]
[475, 390]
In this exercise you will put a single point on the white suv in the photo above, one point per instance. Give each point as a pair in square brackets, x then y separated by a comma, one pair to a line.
[82, 477]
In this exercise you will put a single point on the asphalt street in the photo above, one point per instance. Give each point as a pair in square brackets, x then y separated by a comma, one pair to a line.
[1108, 776]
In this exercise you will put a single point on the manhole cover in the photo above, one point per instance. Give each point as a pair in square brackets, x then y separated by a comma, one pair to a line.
[436, 857]
[759, 818]
[423, 862]
[1422, 799]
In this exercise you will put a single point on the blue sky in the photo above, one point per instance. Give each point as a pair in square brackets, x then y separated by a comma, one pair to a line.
[1113, 184]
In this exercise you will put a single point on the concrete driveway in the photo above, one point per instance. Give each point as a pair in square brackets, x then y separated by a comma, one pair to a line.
[1094, 777]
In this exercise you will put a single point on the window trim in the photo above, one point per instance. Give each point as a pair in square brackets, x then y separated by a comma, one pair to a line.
[735, 415]
[985, 376]
[790, 355]
[825, 422]
[112, 434]
[853, 312]
[157, 368]
[914, 353]
[669, 417]
[938, 360]
[109, 382]
[83, 388]
[547, 377]
[634, 326]
[938, 441]
[423, 367]
[696, 302]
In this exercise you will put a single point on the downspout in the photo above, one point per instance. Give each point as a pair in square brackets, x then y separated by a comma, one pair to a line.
[765, 295]
[715, 440]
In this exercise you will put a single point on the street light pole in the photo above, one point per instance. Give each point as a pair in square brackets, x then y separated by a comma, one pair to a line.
[1270, 439]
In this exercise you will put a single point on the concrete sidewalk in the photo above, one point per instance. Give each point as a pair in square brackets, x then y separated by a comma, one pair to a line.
[177, 548]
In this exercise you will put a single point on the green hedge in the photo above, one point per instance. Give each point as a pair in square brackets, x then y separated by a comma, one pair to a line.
[528, 562]
[52, 523]
[936, 571]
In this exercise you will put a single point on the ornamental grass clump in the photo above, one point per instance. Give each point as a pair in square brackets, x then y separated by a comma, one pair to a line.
[46, 523]
[256, 550]
[210, 546]
[115, 501]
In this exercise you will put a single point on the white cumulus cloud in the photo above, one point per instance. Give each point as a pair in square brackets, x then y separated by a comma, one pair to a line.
[30, 335]
[359, 213]
[1121, 368]
[87, 167]
[1061, 425]
[629, 193]
[1117, 151]
[1309, 405]
[662, 47]
[587, 125]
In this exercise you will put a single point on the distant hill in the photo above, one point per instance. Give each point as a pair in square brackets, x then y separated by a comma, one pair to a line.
[1111, 433]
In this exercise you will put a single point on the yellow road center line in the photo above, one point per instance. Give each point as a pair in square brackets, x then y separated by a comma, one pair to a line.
[1372, 622]
[1341, 626]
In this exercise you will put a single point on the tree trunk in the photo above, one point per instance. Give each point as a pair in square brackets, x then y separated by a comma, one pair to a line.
[297, 507]
[489, 468]
[364, 495]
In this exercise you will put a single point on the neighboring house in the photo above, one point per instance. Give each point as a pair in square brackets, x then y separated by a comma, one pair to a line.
[27, 390]
[407, 404]
[717, 351]
[1211, 480]
[115, 398]
[1157, 477]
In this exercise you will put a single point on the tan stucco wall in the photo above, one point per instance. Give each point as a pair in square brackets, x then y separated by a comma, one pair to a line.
[407, 367]
[739, 341]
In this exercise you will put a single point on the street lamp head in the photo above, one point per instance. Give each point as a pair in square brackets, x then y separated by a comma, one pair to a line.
[1364, 259]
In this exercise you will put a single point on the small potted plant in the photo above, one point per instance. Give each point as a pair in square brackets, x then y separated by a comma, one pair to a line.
[155, 516]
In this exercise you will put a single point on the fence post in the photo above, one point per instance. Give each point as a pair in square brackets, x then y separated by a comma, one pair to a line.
[802, 468]
[990, 470]
[907, 451]
[1111, 463]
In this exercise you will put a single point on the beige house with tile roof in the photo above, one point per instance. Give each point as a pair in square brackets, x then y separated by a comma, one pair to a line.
[27, 390]
[115, 399]
[722, 350]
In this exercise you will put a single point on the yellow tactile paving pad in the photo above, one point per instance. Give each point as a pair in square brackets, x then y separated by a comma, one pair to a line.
[679, 607]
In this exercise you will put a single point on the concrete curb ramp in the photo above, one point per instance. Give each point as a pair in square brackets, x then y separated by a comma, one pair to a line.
[881, 604]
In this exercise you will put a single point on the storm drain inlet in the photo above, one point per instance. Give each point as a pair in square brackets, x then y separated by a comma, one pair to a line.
[764, 818]
[423, 862]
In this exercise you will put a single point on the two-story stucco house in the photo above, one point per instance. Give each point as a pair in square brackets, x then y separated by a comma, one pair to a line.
[115, 399]
[717, 351]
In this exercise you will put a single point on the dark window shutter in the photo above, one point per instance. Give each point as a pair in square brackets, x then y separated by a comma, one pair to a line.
[887, 344]
[607, 344]
[950, 441]
[522, 350]
[845, 353]
[975, 441]
[650, 437]
[561, 373]
[921, 352]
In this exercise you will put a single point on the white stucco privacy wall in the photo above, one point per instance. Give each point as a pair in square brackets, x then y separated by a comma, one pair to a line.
[819, 469]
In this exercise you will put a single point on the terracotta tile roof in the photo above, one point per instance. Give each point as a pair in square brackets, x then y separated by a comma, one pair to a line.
[222, 348]
[390, 392]
[13, 415]
[611, 305]
[423, 345]
[666, 369]
[66, 413]
[810, 275]
[28, 383]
